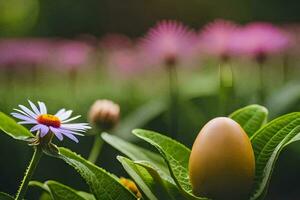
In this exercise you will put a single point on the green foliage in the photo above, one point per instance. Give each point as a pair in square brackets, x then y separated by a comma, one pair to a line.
[13, 129]
[131, 150]
[175, 154]
[267, 144]
[4, 196]
[58, 191]
[251, 118]
[141, 177]
[101, 183]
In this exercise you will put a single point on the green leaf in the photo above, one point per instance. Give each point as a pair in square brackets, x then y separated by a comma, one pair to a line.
[59, 191]
[163, 179]
[251, 118]
[141, 177]
[62, 192]
[4, 196]
[101, 183]
[175, 154]
[13, 129]
[135, 152]
[267, 144]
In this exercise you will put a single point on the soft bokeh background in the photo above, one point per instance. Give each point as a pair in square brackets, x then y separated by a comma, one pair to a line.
[89, 20]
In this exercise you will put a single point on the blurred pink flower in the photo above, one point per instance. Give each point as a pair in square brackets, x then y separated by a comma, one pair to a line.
[259, 40]
[24, 51]
[71, 54]
[124, 61]
[168, 43]
[216, 39]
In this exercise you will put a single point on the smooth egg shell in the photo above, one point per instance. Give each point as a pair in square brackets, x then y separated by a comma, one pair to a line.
[222, 163]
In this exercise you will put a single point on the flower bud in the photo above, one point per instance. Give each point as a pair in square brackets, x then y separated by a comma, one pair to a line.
[130, 185]
[104, 113]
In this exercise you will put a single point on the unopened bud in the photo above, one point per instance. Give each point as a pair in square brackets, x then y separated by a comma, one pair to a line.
[130, 185]
[105, 114]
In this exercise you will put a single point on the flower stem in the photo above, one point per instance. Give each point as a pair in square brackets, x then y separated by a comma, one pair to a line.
[96, 149]
[261, 83]
[226, 87]
[173, 84]
[38, 152]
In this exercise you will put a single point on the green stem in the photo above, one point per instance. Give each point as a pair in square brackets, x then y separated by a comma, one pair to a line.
[173, 84]
[38, 152]
[261, 83]
[96, 149]
[226, 87]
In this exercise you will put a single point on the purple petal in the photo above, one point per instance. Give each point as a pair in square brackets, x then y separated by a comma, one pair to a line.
[60, 112]
[34, 108]
[43, 108]
[57, 133]
[21, 111]
[65, 115]
[71, 119]
[44, 130]
[71, 136]
[23, 117]
[70, 132]
[25, 109]
[35, 128]
[27, 122]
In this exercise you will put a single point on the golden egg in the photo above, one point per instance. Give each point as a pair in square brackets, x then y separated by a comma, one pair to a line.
[222, 163]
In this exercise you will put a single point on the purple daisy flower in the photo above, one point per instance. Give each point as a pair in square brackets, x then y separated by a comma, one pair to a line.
[259, 40]
[216, 38]
[45, 123]
[168, 43]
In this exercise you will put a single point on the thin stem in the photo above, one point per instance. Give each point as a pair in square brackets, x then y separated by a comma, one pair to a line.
[38, 152]
[96, 149]
[226, 87]
[173, 84]
[261, 83]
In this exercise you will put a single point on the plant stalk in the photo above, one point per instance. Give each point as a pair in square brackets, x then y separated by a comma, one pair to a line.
[96, 149]
[38, 152]
[226, 87]
[261, 83]
[173, 84]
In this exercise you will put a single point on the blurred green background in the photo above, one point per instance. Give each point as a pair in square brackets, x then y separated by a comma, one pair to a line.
[132, 17]
[198, 86]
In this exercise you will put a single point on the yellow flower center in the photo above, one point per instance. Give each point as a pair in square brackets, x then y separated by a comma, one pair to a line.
[49, 120]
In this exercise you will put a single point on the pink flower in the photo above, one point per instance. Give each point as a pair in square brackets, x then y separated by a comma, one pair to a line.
[24, 51]
[259, 40]
[124, 61]
[168, 43]
[216, 38]
[71, 54]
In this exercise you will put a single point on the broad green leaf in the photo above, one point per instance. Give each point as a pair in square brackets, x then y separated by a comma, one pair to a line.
[267, 144]
[101, 183]
[163, 179]
[175, 154]
[135, 152]
[13, 129]
[59, 191]
[251, 118]
[141, 177]
[4, 196]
